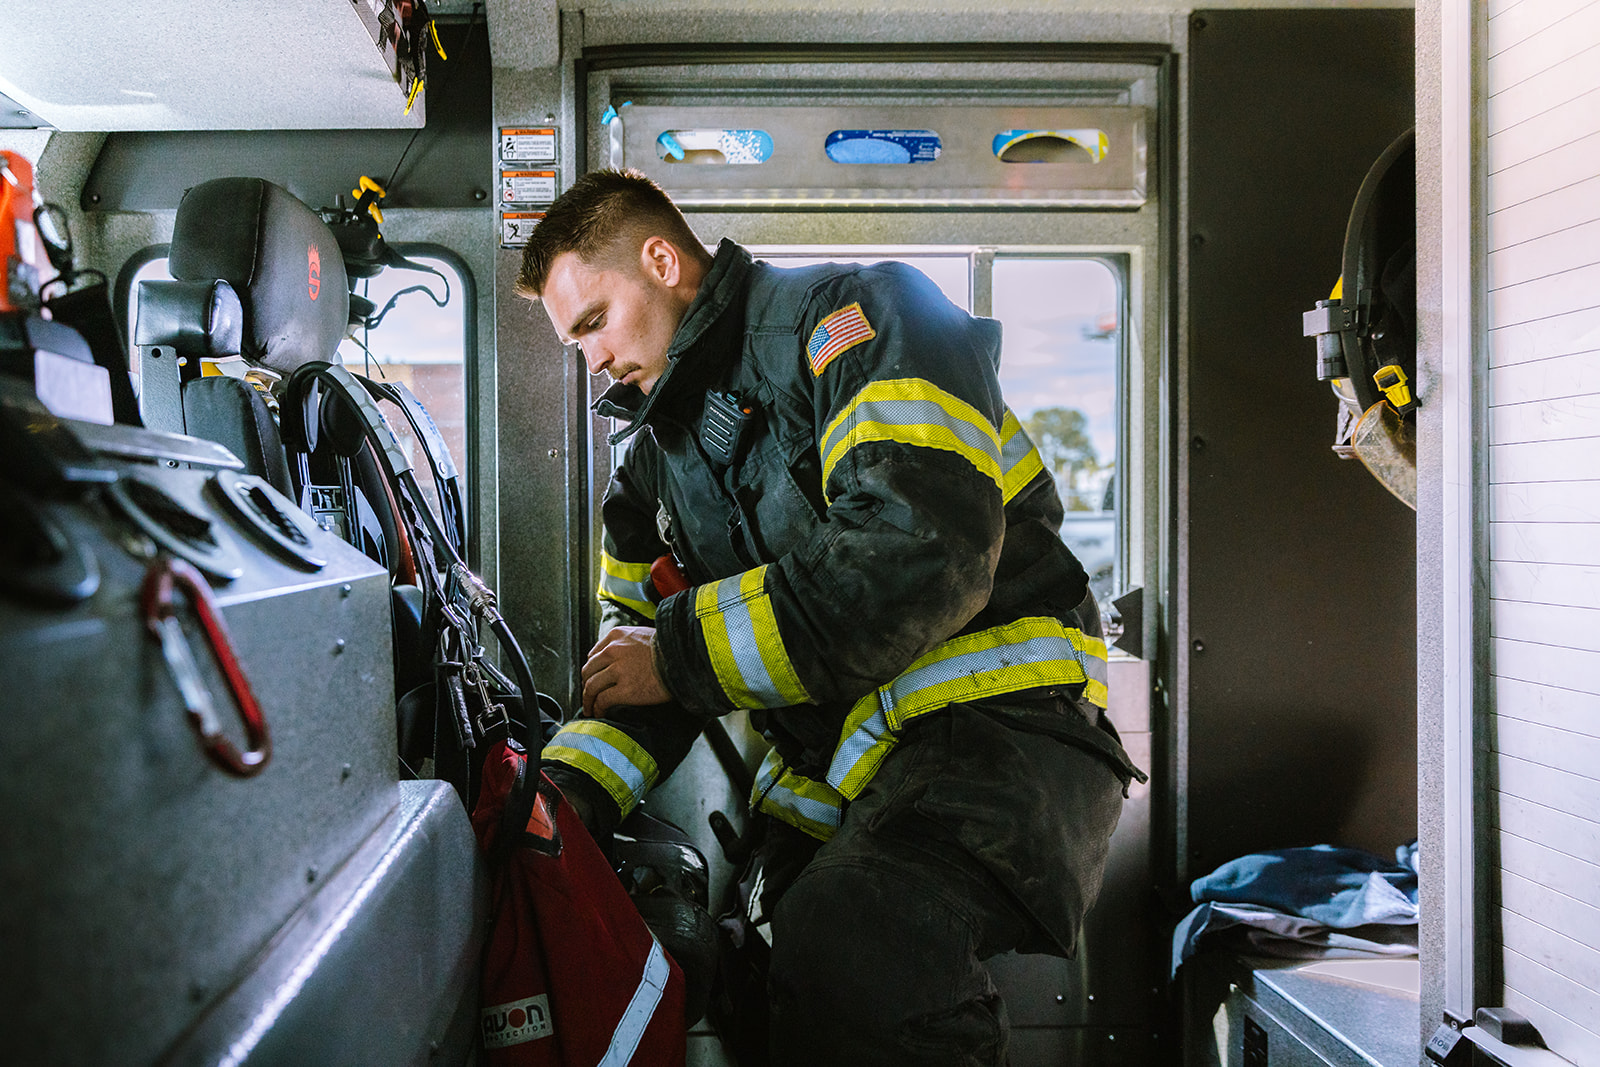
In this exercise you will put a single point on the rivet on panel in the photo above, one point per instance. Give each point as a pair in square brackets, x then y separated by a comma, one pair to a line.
[338, 646]
[1060, 999]
[344, 773]
[344, 590]
[555, 453]
[1199, 645]
[311, 874]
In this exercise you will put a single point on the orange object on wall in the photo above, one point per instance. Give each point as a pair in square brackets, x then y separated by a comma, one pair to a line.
[21, 254]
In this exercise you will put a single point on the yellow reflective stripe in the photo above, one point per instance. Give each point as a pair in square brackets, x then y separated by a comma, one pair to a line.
[742, 639]
[1020, 462]
[912, 411]
[801, 802]
[624, 583]
[1025, 654]
[609, 756]
[864, 742]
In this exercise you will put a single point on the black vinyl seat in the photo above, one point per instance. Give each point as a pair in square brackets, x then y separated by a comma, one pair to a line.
[259, 275]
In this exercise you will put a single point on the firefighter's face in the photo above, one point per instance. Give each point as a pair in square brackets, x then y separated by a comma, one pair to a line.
[623, 316]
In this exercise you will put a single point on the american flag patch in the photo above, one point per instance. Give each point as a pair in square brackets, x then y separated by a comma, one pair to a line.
[842, 330]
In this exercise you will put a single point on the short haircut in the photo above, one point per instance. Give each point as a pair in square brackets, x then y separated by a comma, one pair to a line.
[605, 218]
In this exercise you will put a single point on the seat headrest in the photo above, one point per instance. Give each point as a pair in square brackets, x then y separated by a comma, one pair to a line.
[279, 256]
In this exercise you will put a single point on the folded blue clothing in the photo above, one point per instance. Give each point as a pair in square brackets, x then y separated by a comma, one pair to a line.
[1296, 901]
[1336, 887]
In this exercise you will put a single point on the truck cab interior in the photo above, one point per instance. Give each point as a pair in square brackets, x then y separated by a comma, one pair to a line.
[301, 497]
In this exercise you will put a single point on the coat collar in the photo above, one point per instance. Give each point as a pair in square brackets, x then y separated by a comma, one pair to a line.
[722, 285]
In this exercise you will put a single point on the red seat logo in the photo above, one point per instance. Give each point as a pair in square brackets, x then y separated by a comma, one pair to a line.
[314, 263]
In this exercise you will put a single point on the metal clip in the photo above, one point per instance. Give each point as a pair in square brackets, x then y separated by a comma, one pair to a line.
[1391, 381]
[466, 588]
[1334, 326]
[493, 716]
[157, 601]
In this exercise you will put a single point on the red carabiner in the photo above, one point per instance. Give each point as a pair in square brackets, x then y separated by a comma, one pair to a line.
[160, 618]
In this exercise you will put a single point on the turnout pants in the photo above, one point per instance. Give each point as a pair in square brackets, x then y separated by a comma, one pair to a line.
[974, 838]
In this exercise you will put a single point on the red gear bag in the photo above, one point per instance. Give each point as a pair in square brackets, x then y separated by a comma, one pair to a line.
[572, 977]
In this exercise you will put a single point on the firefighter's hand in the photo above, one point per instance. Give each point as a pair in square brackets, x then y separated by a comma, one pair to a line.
[621, 670]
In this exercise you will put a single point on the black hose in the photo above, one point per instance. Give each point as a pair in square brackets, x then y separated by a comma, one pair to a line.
[524, 676]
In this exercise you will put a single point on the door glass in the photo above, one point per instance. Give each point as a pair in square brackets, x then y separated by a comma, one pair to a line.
[1058, 370]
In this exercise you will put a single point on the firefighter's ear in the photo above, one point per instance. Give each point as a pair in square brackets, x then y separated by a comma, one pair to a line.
[661, 261]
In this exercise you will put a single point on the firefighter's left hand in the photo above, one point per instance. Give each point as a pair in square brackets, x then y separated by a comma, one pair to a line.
[621, 670]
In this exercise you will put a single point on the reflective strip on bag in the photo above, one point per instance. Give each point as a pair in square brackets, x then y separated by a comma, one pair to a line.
[801, 802]
[640, 1010]
[624, 583]
[1020, 462]
[911, 411]
[1025, 654]
[742, 639]
[609, 756]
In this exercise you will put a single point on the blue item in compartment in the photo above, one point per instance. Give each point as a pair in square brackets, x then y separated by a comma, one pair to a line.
[882, 146]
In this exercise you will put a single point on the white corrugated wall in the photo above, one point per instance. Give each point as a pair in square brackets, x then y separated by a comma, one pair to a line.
[1542, 313]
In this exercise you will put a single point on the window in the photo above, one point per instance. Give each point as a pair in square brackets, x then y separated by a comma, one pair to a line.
[1059, 372]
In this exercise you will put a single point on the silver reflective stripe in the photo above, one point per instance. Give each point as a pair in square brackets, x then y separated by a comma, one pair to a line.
[815, 810]
[1035, 650]
[746, 648]
[997, 666]
[1094, 667]
[631, 776]
[625, 590]
[909, 412]
[859, 743]
[1014, 449]
[636, 1018]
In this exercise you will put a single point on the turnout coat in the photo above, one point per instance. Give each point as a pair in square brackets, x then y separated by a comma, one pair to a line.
[868, 536]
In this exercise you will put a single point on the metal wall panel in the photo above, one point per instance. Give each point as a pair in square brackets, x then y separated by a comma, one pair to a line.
[1514, 63]
[1302, 714]
[1543, 327]
[965, 172]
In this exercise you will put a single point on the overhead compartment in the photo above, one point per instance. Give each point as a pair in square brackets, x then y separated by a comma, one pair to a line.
[196, 65]
[887, 156]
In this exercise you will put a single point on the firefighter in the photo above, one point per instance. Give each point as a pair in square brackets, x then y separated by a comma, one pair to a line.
[864, 548]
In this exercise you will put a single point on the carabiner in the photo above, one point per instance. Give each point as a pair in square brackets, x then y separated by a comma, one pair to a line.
[160, 618]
